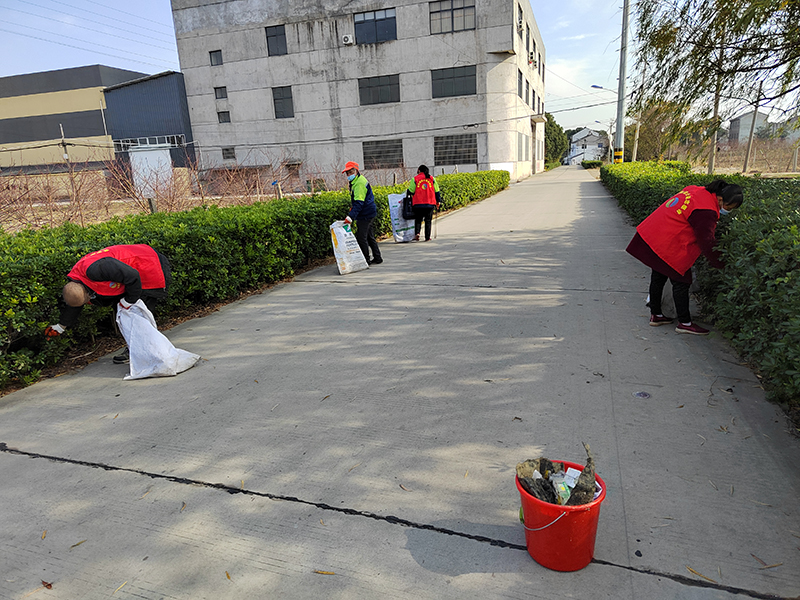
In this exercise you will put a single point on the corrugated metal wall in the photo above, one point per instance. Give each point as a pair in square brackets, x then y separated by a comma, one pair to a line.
[154, 106]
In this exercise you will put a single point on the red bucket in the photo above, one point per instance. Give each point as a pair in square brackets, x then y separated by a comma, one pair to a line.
[561, 537]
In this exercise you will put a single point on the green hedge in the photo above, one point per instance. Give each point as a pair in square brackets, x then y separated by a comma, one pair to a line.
[755, 299]
[591, 164]
[215, 253]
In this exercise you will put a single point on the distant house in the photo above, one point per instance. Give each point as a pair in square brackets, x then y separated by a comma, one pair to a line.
[586, 144]
[739, 130]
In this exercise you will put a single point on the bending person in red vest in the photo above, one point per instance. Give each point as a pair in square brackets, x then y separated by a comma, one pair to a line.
[426, 197]
[115, 275]
[672, 238]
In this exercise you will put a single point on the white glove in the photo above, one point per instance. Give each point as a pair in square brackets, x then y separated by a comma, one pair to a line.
[348, 220]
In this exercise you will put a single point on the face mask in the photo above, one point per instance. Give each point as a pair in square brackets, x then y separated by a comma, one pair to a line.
[351, 177]
[722, 211]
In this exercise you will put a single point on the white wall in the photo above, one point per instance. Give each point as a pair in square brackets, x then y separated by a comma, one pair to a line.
[329, 124]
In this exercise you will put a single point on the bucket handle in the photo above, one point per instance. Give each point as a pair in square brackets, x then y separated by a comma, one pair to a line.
[546, 526]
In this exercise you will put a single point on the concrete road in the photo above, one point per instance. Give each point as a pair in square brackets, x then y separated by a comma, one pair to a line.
[356, 436]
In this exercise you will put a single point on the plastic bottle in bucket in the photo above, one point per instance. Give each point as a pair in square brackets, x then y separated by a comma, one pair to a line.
[561, 537]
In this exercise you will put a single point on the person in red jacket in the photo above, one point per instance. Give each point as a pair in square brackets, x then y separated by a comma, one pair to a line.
[118, 275]
[672, 238]
[425, 198]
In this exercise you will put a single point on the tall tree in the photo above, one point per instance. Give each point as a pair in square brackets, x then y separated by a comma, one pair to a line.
[699, 53]
[556, 143]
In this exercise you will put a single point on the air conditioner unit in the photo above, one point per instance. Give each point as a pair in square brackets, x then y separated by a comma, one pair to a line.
[520, 24]
[348, 40]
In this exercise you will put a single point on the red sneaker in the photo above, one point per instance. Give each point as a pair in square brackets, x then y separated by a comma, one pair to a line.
[656, 320]
[692, 328]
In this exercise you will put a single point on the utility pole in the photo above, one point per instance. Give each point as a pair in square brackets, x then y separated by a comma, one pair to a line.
[619, 141]
[635, 140]
[73, 197]
[752, 130]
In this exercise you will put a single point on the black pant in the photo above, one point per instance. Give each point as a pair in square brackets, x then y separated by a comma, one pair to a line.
[680, 294]
[365, 236]
[423, 211]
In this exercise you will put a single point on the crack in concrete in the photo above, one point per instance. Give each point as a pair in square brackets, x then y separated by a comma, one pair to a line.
[684, 580]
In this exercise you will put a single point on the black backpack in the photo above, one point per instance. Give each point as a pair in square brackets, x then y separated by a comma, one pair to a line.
[408, 209]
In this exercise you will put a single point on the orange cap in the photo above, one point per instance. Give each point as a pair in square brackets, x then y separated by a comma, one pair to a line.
[350, 165]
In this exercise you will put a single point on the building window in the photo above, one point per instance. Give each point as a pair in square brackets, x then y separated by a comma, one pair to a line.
[457, 81]
[519, 84]
[276, 40]
[528, 38]
[520, 20]
[540, 66]
[452, 15]
[228, 154]
[224, 116]
[375, 26]
[282, 98]
[455, 149]
[379, 90]
[527, 92]
[220, 93]
[216, 57]
[383, 154]
[533, 100]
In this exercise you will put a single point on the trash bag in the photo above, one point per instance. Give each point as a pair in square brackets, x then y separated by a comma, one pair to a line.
[151, 353]
[349, 257]
[402, 228]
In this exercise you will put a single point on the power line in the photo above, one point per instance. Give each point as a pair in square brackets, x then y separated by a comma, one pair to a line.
[89, 20]
[580, 107]
[88, 29]
[61, 23]
[85, 49]
[172, 31]
[84, 41]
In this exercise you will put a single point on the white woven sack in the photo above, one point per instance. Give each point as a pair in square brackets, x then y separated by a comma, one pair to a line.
[349, 257]
[152, 354]
[402, 229]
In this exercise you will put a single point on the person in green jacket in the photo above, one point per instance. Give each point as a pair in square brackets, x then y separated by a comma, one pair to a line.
[363, 211]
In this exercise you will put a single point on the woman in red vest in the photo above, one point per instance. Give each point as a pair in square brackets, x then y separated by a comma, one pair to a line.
[672, 238]
[426, 197]
[115, 275]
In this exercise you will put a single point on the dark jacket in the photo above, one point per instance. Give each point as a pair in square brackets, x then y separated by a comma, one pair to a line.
[109, 269]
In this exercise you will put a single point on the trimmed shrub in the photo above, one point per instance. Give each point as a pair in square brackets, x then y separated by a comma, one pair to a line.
[591, 164]
[215, 254]
[755, 299]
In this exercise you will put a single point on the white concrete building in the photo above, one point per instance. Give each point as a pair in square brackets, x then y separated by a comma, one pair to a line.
[587, 144]
[739, 129]
[454, 84]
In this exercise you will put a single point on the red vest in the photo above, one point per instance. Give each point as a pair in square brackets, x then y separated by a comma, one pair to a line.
[668, 232]
[425, 192]
[139, 256]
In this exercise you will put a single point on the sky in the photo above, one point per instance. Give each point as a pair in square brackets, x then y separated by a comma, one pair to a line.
[581, 38]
